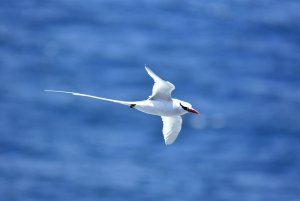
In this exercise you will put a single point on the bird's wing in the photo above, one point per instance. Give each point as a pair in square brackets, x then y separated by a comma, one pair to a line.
[171, 128]
[90, 96]
[161, 89]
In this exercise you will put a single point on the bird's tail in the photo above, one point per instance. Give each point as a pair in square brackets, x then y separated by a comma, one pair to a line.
[128, 103]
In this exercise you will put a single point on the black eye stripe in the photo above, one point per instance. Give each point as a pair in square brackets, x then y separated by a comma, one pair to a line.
[183, 107]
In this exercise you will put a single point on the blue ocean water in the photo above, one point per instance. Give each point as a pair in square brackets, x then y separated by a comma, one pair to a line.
[236, 61]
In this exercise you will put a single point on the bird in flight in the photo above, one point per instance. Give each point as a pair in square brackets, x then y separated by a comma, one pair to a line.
[160, 103]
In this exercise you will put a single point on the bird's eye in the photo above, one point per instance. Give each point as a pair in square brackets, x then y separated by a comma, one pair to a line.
[183, 107]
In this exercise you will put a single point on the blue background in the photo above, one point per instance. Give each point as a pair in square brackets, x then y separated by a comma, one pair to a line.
[236, 61]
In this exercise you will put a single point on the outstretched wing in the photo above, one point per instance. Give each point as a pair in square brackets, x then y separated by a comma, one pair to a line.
[171, 128]
[161, 89]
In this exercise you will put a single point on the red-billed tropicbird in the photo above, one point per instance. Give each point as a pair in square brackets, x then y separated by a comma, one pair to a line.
[159, 103]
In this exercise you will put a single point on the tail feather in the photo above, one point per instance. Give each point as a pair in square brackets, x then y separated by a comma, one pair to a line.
[128, 103]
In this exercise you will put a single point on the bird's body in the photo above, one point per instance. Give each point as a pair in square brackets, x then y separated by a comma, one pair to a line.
[160, 103]
[160, 107]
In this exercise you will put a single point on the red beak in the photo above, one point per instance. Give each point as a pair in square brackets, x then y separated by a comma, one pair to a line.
[193, 110]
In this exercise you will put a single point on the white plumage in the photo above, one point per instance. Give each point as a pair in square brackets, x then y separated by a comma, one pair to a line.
[159, 103]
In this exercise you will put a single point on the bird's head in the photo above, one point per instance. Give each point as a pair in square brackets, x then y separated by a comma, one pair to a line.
[188, 107]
